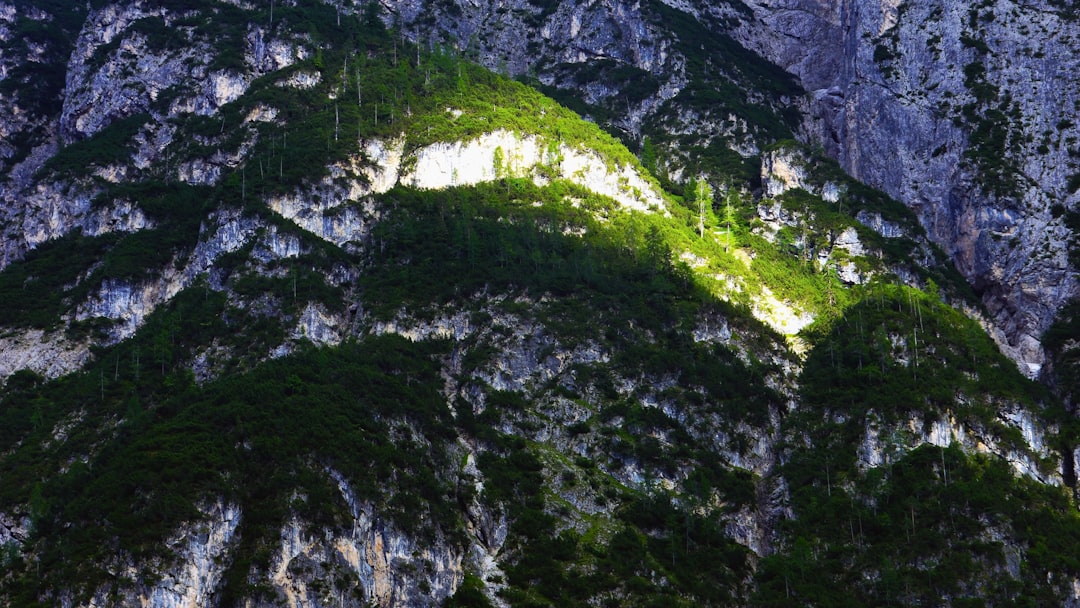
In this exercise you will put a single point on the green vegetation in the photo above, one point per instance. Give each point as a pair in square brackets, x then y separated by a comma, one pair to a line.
[445, 248]
[469, 595]
[44, 286]
[996, 126]
[642, 376]
[916, 528]
[388, 89]
[1061, 344]
[656, 552]
[178, 444]
[489, 253]
[902, 352]
[530, 251]
[36, 290]
[37, 86]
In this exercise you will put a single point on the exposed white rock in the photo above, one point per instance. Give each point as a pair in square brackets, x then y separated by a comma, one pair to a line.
[880, 225]
[528, 356]
[122, 216]
[760, 455]
[336, 208]
[783, 170]
[892, 123]
[23, 175]
[572, 32]
[50, 354]
[831, 193]
[302, 79]
[384, 162]
[221, 87]
[471, 162]
[456, 327]
[14, 529]
[713, 330]
[207, 364]
[392, 568]
[128, 303]
[782, 316]
[530, 359]
[223, 232]
[488, 531]
[466, 163]
[53, 209]
[266, 56]
[848, 240]
[50, 211]
[320, 327]
[262, 113]
[851, 274]
[129, 79]
[744, 527]
[150, 143]
[774, 217]
[273, 244]
[199, 172]
[787, 169]
[190, 580]
[882, 446]
[623, 184]
[201, 550]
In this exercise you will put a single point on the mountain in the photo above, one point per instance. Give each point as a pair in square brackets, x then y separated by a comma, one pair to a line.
[964, 112]
[345, 304]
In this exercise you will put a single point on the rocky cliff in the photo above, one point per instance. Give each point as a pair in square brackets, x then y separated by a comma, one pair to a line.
[961, 112]
[303, 307]
[964, 112]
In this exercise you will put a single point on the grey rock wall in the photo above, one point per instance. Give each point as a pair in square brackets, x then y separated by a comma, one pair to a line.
[964, 114]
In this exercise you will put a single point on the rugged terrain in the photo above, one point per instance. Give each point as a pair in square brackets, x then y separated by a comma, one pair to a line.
[963, 112]
[313, 304]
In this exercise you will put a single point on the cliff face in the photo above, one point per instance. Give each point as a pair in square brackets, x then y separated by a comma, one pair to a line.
[519, 37]
[301, 307]
[964, 113]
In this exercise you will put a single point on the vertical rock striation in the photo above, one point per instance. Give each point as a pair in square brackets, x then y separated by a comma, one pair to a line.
[960, 111]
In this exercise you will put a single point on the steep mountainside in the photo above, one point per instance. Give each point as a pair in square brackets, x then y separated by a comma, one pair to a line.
[963, 112]
[966, 113]
[303, 306]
